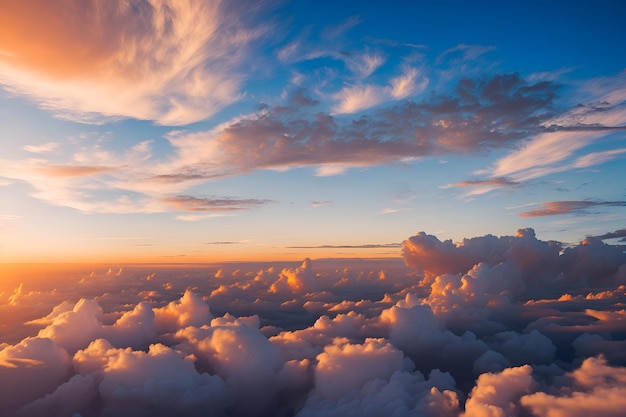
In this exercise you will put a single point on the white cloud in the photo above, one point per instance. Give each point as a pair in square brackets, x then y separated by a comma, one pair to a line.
[44, 148]
[360, 97]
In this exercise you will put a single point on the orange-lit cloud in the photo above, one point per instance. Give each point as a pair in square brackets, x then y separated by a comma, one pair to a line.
[194, 204]
[165, 61]
[474, 331]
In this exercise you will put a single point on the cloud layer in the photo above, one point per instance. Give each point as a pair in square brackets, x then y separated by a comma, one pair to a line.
[507, 325]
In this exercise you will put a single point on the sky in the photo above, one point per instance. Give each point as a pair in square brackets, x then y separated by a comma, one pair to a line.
[301, 209]
[149, 131]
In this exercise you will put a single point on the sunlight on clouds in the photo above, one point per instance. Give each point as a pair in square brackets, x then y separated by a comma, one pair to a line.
[330, 170]
[45, 148]
[360, 97]
[597, 158]
[176, 64]
[492, 325]
[543, 154]
[364, 65]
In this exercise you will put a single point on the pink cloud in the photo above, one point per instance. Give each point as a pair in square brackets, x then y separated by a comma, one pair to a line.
[555, 208]
[173, 64]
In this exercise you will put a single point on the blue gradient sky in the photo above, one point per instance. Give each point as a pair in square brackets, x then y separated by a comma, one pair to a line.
[279, 130]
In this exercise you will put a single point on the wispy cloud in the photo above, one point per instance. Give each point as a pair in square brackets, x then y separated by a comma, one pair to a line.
[224, 242]
[360, 97]
[171, 62]
[316, 204]
[598, 158]
[199, 217]
[75, 170]
[44, 148]
[364, 65]
[392, 210]
[195, 204]
[544, 155]
[571, 131]
[555, 208]
[366, 246]
[478, 187]
[621, 233]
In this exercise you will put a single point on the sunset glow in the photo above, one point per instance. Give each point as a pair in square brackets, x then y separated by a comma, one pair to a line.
[299, 208]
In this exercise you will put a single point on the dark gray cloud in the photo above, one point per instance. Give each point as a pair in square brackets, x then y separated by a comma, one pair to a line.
[621, 233]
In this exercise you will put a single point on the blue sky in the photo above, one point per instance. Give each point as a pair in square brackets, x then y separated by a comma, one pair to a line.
[279, 130]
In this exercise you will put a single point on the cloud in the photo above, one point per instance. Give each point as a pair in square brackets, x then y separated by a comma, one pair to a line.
[131, 381]
[480, 187]
[612, 235]
[357, 98]
[459, 119]
[174, 64]
[361, 97]
[541, 156]
[497, 394]
[74, 170]
[222, 242]
[366, 246]
[344, 366]
[555, 208]
[597, 388]
[364, 65]
[508, 267]
[464, 52]
[30, 369]
[494, 182]
[598, 158]
[316, 204]
[195, 204]
[44, 148]
[278, 140]
[569, 131]
[491, 325]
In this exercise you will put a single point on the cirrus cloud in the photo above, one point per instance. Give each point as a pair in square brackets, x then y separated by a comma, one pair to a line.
[169, 62]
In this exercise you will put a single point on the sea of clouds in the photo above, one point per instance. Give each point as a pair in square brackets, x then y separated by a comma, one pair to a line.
[490, 326]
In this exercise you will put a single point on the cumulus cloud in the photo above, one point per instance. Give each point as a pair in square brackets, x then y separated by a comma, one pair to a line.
[497, 394]
[502, 326]
[596, 388]
[30, 369]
